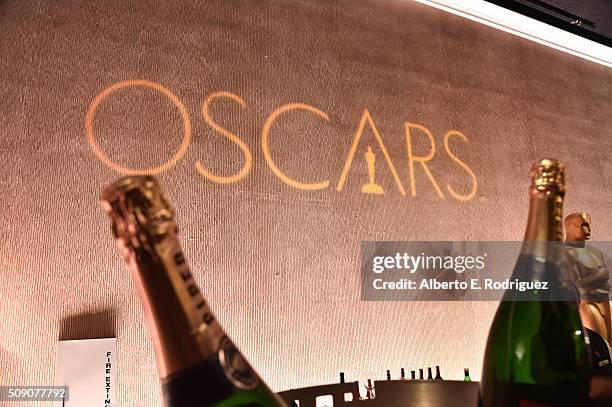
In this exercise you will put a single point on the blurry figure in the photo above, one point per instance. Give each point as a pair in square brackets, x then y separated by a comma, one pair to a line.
[370, 390]
[592, 280]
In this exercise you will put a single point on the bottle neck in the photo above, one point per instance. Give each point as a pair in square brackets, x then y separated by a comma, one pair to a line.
[183, 328]
[544, 223]
[188, 340]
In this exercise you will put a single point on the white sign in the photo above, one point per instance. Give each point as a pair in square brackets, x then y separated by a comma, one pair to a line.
[89, 369]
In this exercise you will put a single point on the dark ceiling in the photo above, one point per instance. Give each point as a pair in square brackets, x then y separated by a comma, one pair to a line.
[591, 19]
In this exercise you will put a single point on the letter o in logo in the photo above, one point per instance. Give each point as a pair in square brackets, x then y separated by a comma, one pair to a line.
[102, 156]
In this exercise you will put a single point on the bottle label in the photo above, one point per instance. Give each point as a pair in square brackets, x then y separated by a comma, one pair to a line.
[236, 368]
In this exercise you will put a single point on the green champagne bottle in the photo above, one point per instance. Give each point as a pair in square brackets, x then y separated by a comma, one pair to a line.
[466, 375]
[198, 364]
[536, 353]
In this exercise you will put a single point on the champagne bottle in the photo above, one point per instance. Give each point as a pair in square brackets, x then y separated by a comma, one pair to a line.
[421, 377]
[412, 375]
[429, 374]
[466, 375]
[403, 374]
[536, 351]
[438, 376]
[388, 375]
[197, 362]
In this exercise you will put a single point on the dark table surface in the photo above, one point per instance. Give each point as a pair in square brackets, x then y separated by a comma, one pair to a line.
[447, 393]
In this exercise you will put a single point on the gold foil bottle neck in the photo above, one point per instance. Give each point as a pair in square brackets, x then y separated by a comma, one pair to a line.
[548, 175]
[545, 222]
[138, 209]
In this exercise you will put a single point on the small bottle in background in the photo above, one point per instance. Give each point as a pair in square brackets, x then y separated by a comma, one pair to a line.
[429, 374]
[466, 375]
[413, 375]
[370, 390]
[421, 377]
[438, 377]
[403, 374]
[388, 375]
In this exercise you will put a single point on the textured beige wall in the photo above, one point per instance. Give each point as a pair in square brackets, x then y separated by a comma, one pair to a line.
[278, 264]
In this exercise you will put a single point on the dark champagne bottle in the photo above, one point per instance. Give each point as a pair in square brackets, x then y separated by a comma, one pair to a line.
[197, 362]
[421, 377]
[429, 374]
[536, 352]
[466, 375]
[412, 375]
[438, 376]
[403, 374]
[388, 375]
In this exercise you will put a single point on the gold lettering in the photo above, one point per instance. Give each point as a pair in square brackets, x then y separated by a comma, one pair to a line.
[366, 117]
[265, 136]
[248, 156]
[89, 117]
[462, 198]
[422, 160]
